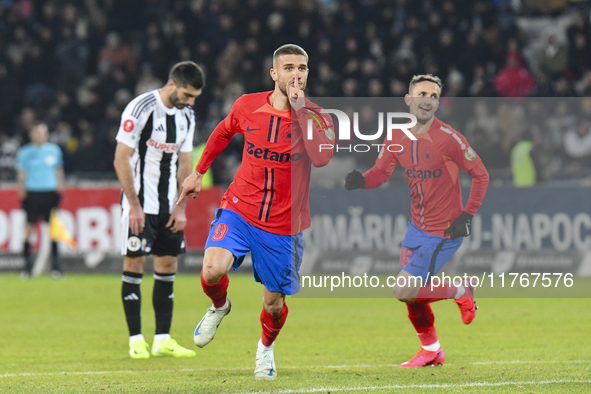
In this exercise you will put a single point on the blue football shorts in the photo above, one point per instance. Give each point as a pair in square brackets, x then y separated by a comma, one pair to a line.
[424, 255]
[276, 259]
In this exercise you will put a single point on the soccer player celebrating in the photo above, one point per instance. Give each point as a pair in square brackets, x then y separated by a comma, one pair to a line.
[439, 221]
[154, 151]
[266, 208]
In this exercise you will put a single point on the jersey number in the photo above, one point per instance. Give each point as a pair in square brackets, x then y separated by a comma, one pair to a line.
[220, 232]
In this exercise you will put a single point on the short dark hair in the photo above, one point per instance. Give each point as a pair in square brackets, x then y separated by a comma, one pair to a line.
[290, 49]
[425, 77]
[37, 123]
[187, 73]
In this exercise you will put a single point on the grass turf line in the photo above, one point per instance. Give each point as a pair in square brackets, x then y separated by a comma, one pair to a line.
[75, 328]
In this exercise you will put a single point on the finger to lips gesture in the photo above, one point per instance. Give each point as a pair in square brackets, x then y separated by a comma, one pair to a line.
[295, 94]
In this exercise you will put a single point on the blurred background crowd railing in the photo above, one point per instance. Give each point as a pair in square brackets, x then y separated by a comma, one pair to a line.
[76, 64]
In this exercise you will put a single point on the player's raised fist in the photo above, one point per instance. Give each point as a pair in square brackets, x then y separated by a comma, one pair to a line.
[354, 180]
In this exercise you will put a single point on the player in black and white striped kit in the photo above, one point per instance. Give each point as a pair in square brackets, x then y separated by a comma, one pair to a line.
[154, 152]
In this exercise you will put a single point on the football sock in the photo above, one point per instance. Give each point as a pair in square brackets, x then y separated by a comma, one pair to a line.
[161, 337]
[54, 261]
[432, 348]
[162, 300]
[422, 318]
[272, 325]
[132, 301]
[27, 255]
[134, 338]
[260, 345]
[444, 291]
[217, 292]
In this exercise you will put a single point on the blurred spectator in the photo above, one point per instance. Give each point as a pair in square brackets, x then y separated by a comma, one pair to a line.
[514, 80]
[87, 158]
[147, 81]
[583, 86]
[526, 164]
[117, 54]
[64, 62]
[8, 148]
[484, 133]
[553, 55]
[577, 145]
[580, 55]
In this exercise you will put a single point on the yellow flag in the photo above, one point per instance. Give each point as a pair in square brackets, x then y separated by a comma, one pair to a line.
[58, 231]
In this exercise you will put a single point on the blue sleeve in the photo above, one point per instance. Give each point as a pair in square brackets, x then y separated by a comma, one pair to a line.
[59, 156]
[20, 161]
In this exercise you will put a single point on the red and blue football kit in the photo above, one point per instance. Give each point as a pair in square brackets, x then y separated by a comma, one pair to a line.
[271, 187]
[431, 165]
[268, 200]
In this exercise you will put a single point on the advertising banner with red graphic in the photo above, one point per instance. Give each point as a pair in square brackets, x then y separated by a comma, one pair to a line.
[92, 216]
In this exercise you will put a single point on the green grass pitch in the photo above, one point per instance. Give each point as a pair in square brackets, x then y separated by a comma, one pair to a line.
[69, 336]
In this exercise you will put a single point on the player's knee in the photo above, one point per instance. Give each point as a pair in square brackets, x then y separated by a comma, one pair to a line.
[134, 264]
[165, 264]
[404, 294]
[211, 272]
[275, 308]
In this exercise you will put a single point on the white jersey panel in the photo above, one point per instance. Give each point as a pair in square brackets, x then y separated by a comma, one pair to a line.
[157, 134]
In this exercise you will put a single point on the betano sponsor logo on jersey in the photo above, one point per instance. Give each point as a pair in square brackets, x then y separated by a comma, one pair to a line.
[423, 174]
[163, 146]
[267, 154]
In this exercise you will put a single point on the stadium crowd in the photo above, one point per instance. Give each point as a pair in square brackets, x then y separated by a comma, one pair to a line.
[76, 65]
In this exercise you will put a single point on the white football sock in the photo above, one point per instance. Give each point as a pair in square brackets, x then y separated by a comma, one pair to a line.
[134, 338]
[461, 291]
[225, 305]
[263, 347]
[161, 337]
[433, 347]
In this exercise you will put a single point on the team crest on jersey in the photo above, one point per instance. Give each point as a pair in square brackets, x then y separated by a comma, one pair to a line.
[286, 134]
[182, 124]
[329, 133]
[428, 155]
[469, 154]
[128, 126]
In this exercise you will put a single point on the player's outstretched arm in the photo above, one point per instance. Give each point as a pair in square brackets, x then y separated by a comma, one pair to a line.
[354, 180]
[219, 140]
[191, 186]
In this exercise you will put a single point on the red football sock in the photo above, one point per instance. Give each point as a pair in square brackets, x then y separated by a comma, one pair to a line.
[444, 291]
[272, 325]
[422, 318]
[217, 292]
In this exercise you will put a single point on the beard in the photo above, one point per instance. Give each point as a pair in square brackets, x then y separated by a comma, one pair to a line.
[174, 100]
[283, 88]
